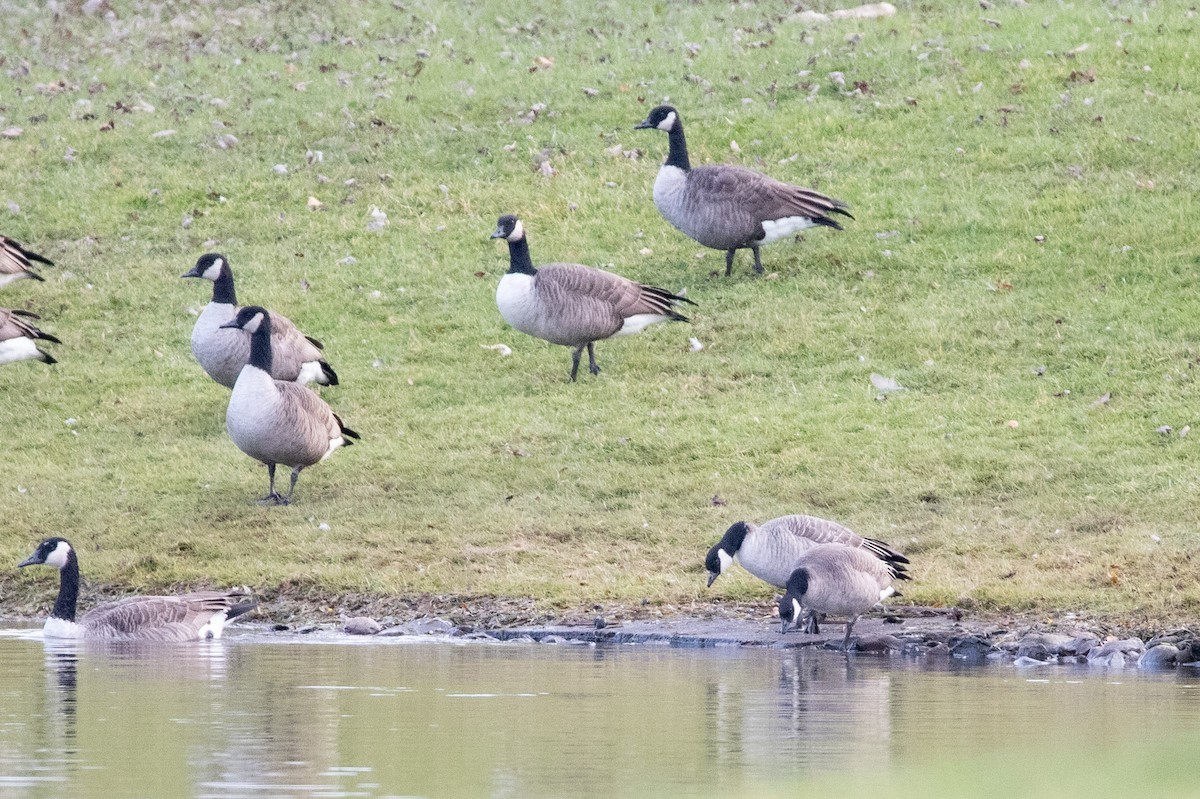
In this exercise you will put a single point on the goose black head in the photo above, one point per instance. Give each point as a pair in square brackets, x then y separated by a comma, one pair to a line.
[508, 227]
[53, 551]
[209, 266]
[250, 319]
[720, 557]
[792, 601]
[663, 117]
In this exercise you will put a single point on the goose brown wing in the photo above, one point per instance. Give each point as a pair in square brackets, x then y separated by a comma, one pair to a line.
[305, 425]
[15, 324]
[624, 297]
[15, 259]
[161, 618]
[746, 198]
[581, 300]
[290, 349]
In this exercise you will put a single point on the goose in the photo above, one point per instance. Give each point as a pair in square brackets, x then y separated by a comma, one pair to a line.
[575, 305]
[15, 262]
[222, 353]
[18, 337]
[186, 617]
[728, 207]
[768, 551]
[835, 578]
[276, 421]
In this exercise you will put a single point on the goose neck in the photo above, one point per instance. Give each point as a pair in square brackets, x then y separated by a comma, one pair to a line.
[519, 261]
[223, 292]
[260, 346]
[677, 155]
[68, 589]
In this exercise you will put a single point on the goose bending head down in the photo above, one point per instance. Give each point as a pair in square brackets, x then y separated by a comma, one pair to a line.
[275, 421]
[572, 304]
[16, 262]
[222, 353]
[837, 579]
[185, 617]
[19, 337]
[769, 550]
[728, 207]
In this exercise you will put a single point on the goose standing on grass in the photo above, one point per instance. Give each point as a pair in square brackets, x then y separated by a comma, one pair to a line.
[186, 617]
[15, 262]
[730, 207]
[276, 421]
[19, 337]
[575, 305]
[222, 353]
[837, 579]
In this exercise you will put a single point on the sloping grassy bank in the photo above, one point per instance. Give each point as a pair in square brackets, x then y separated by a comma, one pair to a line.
[1022, 261]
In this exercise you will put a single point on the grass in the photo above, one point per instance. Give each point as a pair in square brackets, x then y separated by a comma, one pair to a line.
[1022, 261]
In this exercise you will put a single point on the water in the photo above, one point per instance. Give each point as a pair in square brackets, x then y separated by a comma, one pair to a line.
[257, 715]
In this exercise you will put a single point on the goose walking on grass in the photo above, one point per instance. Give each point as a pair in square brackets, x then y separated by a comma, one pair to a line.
[222, 353]
[575, 305]
[275, 421]
[16, 262]
[19, 337]
[186, 617]
[836, 579]
[728, 207]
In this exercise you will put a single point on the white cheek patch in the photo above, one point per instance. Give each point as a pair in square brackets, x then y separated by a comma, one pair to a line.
[668, 122]
[254, 323]
[725, 558]
[518, 232]
[214, 271]
[796, 610]
[58, 558]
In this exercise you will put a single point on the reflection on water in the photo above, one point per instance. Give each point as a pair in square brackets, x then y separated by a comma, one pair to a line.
[260, 716]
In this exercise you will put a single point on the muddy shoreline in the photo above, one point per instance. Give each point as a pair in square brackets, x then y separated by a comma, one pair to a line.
[897, 630]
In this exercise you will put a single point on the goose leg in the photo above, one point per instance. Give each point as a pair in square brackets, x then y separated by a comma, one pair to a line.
[729, 262]
[593, 367]
[757, 261]
[272, 498]
[292, 487]
[849, 627]
[575, 353]
[810, 623]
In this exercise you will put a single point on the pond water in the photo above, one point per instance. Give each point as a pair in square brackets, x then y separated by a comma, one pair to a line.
[267, 715]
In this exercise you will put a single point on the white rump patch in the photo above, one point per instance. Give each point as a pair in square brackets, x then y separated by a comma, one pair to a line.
[18, 349]
[310, 372]
[639, 322]
[777, 229]
[214, 627]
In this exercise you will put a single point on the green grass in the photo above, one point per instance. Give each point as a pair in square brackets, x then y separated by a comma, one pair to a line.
[484, 475]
